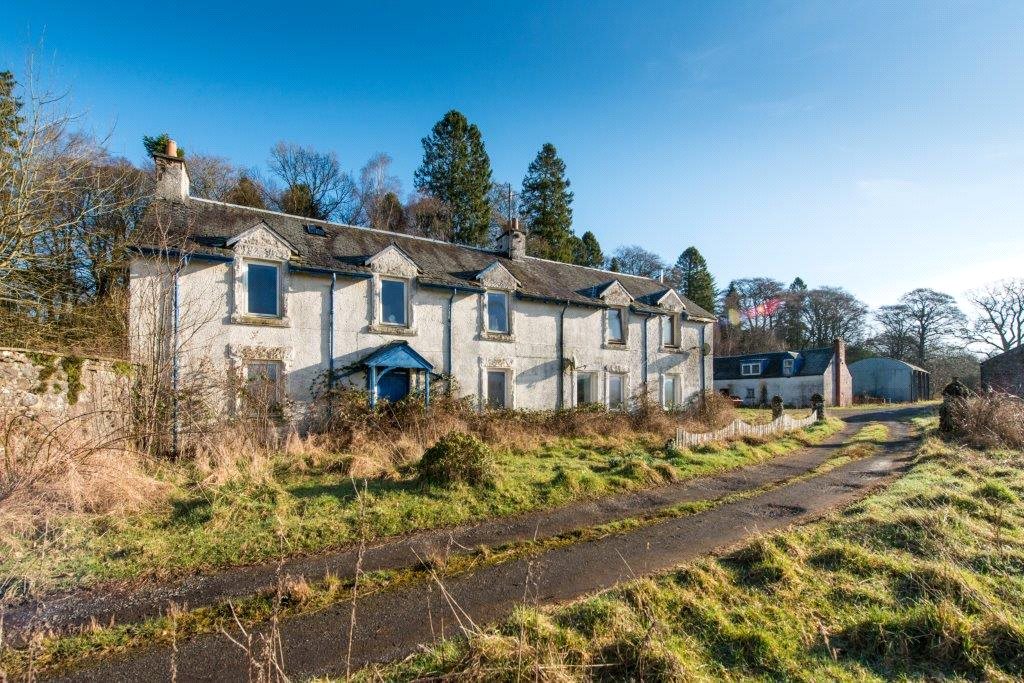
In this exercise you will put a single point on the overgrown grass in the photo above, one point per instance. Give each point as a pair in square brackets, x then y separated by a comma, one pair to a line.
[314, 508]
[756, 416]
[923, 580]
[56, 653]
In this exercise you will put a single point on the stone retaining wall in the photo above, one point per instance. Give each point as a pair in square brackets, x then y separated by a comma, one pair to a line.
[52, 387]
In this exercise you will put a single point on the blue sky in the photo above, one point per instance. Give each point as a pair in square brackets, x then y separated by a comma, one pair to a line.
[875, 146]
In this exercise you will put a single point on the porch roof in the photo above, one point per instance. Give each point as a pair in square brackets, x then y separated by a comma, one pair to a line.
[397, 354]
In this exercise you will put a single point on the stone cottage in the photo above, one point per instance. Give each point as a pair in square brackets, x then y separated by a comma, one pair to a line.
[290, 301]
[796, 376]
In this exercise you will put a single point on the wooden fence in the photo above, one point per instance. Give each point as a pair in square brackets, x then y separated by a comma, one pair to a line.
[739, 428]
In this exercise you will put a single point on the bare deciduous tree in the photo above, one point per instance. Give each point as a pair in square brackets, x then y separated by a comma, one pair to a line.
[635, 260]
[303, 171]
[934, 316]
[211, 177]
[377, 189]
[999, 325]
[895, 338]
[830, 313]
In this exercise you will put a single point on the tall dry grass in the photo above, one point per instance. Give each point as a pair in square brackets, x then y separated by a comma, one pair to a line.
[988, 420]
[48, 471]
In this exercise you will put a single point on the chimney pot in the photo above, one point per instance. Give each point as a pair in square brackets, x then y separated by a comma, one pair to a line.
[172, 148]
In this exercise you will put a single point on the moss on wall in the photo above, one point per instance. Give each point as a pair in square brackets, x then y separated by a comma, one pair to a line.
[72, 366]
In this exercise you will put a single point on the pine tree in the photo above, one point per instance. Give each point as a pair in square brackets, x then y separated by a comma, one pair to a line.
[297, 200]
[158, 145]
[547, 207]
[10, 113]
[793, 329]
[245, 193]
[457, 171]
[695, 279]
[615, 265]
[588, 251]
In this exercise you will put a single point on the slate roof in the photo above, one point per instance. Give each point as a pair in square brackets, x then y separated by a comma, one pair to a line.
[809, 362]
[203, 227]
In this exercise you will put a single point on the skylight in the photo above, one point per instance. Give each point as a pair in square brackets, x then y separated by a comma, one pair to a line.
[316, 230]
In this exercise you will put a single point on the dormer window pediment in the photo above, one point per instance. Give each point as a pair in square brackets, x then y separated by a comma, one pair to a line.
[261, 242]
[394, 262]
[670, 300]
[497, 276]
[614, 294]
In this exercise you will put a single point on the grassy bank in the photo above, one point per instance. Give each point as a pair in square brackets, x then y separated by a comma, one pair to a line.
[56, 653]
[922, 580]
[304, 505]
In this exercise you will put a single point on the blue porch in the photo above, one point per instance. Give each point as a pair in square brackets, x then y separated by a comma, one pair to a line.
[389, 372]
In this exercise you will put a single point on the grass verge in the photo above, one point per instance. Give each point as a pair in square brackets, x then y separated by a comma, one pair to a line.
[56, 653]
[249, 519]
[922, 581]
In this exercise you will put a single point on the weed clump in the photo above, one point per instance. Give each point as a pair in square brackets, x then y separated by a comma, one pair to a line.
[457, 458]
[991, 420]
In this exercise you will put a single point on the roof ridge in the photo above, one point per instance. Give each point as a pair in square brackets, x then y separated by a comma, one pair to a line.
[418, 237]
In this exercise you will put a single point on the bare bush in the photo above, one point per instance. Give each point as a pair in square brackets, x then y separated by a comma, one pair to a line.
[68, 467]
[989, 420]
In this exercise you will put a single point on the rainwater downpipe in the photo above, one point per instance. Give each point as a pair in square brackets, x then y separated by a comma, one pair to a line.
[448, 355]
[561, 356]
[647, 319]
[330, 334]
[174, 359]
[700, 352]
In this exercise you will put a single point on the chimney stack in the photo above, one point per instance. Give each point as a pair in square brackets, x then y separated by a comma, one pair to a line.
[513, 241]
[172, 182]
[839, 349]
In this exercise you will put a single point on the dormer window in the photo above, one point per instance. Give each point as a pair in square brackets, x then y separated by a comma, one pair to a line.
[750, 369]
[497, 312]
[263, 289]
[616, 326]
[787, 366]
[394, 302]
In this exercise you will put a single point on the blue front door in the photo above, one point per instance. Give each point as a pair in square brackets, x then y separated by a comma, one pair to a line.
[394, 386]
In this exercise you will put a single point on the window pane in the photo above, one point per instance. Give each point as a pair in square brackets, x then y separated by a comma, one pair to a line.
[667, 337]
[392, 302]
[615, 325]
[670, 391]
[583, 386]
[262, 289]
[497, 312]
[615, 391]
[495, 389]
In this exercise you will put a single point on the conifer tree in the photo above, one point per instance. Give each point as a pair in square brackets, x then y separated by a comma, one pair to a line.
[245, 193]
[10, 113]
[588, 251]
[793, 329]
[695, 279]
[457, 171]
[547, 207]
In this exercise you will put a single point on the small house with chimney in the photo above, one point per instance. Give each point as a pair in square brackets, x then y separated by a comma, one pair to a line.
[250, 295]
[796, 376]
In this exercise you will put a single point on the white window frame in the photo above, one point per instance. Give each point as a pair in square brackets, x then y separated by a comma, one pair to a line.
[623, 319]
[593, 393]
[750, 395]
[507, 372]
[671, 324]
[407, 323]
[277, 265]
[676, 399]
[487, 312]
[623, 377]
[787, 366]
[751, 369]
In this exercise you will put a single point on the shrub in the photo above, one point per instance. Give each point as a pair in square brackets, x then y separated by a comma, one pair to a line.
[457, 458]
[713, 412]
